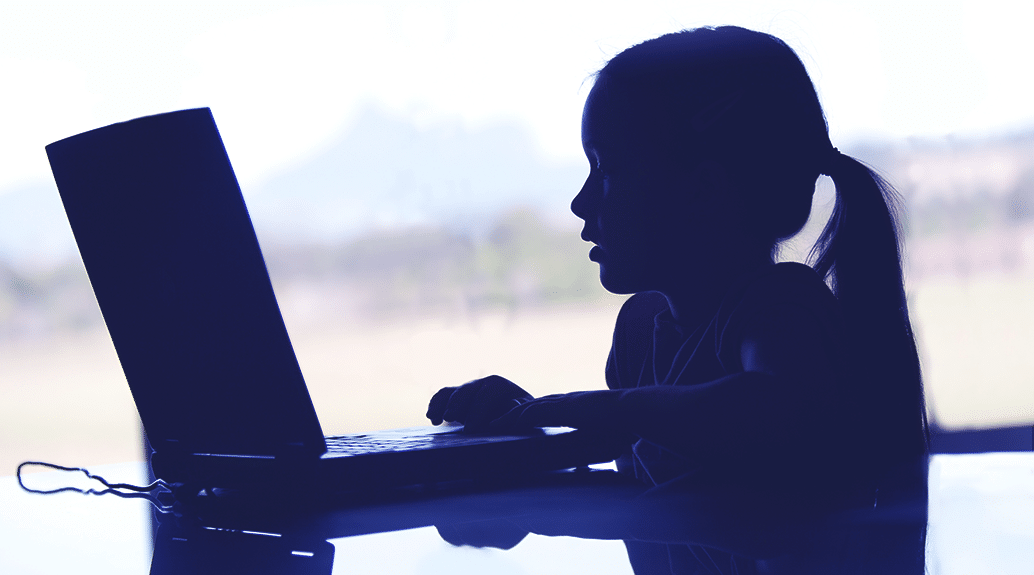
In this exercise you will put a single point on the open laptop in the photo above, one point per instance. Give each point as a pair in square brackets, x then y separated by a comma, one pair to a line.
[175, 265]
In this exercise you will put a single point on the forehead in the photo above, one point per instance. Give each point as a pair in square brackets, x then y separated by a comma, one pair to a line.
[590, 116]
[615, 125]
[636, 125]
[601, 119]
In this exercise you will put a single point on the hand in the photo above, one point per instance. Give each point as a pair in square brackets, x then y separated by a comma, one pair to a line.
[580, 410]
[476, 403]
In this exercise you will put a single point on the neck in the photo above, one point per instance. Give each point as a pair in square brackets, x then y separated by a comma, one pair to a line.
[694, 300]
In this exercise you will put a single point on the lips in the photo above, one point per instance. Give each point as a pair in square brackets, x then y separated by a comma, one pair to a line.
[596, 251]
[586, 236]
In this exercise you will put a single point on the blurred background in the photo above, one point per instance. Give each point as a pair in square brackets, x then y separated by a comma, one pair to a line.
[408, 167]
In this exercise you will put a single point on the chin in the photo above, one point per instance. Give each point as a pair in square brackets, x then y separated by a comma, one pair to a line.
[618, 283]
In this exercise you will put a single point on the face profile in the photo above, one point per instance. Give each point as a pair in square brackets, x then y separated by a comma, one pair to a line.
[612, 205]
[644, 215]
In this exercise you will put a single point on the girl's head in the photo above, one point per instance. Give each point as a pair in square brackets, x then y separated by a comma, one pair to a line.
[720, 130]
[716, 136]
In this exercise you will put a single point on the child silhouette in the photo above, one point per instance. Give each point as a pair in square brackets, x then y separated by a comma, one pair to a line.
[704, 149]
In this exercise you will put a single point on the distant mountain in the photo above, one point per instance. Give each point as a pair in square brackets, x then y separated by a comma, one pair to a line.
[383, 172]
[386, 172]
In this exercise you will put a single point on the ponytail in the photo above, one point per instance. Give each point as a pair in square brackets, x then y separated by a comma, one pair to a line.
[860, 256]
[860, 242]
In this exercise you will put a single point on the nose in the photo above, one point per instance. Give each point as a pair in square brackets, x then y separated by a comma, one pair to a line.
[584, 200]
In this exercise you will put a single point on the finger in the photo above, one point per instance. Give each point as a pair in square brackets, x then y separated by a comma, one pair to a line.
[450, 534]
[436, 407]
[461, 401]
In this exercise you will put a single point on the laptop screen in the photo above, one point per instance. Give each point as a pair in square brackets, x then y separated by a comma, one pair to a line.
[176, 268]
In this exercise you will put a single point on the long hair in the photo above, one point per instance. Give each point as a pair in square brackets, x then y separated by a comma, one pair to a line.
[744, 99]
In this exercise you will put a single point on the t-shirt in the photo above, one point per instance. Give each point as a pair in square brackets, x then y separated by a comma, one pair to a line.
[650, 348]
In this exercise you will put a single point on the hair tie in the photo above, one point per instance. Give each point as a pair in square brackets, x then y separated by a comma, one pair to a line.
[830, 161]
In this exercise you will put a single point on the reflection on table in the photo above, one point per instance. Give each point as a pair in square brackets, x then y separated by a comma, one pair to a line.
[978, 516]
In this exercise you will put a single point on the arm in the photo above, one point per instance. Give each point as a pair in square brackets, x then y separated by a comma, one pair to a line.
[785, 385]
[478, 402]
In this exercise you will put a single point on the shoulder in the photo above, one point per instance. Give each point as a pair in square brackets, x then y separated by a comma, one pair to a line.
[641, 306]
[786, 304]
[633, 337]
[783, 285]
[636, 319]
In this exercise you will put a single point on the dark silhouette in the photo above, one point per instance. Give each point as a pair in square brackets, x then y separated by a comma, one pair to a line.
[728, 369]
[772, 422]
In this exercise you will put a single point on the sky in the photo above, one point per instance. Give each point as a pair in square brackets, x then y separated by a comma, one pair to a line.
[283, 79]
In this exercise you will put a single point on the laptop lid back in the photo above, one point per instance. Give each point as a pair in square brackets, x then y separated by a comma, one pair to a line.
[176, 268]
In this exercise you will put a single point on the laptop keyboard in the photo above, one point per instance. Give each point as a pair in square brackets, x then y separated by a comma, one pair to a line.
[360, 444]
